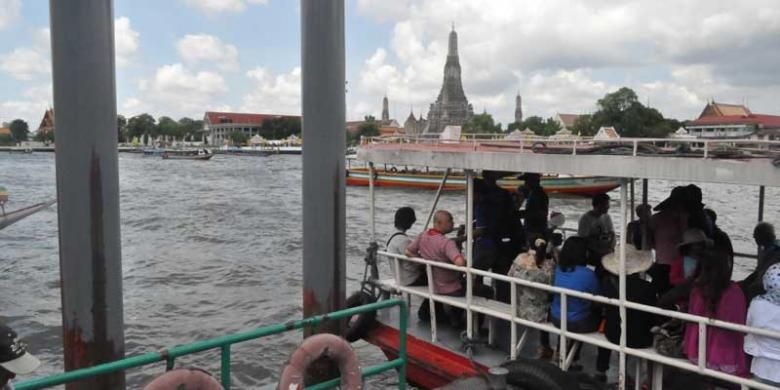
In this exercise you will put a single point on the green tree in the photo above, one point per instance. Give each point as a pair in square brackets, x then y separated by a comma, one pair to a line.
[535, 123]
[121, 124]
[19, 130]
[551, 126]
[191, 128]
[630, 118]
[142, 124]
[169, 127]
[281, 127]
[514, 126]
[45, 137]
[6, 139]
[481, 124]
[239, 138]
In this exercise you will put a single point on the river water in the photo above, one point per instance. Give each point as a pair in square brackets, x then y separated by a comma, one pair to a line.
[210, 248]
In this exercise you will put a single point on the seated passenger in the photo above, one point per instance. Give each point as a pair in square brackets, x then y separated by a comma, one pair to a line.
[571, 273]
[764, 313]
[638, 290]
[411, 274]
[536, 265]
[714, 295]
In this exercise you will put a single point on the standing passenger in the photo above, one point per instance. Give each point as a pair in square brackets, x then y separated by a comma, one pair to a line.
[668, 225]
[537, 206]
[764, 313]
[596, 228]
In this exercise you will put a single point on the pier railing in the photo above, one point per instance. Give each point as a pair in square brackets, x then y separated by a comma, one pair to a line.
[224, 343]
[508, 312]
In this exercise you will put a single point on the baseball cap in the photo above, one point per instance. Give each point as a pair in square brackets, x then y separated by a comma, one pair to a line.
[13, 353]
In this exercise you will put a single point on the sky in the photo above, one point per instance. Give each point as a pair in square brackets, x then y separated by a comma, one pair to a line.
[184, 57]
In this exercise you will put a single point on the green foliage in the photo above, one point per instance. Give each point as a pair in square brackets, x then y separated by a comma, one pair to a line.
[47, 137]
[6, 140]
[630, 118]
[239, 138]
[481, 124]
[169, 127]
[369, 128]
[540, 126]
[142, 124]
[191, 128]
[19, 130]
[280, 128]
[121, 128]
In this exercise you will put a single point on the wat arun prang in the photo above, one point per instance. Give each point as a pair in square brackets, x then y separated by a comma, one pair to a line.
[451, 107]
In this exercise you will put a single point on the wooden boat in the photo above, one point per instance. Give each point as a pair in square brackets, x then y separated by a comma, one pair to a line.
[570, 185]
[9, 218]
[200, 154]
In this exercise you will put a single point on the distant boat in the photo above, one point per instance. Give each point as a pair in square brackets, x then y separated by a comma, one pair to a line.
[199, 154]
[25, 150]
[153, 152]
[569, 185]
[8, 218]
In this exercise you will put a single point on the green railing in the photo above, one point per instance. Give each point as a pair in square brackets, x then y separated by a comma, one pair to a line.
[224, 343]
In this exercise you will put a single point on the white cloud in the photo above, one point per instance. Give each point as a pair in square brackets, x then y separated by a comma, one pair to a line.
[25, 63]
[210, 6]
[178, 91]
[9, 12]
[36, 100]
[126, 41]
[278, 94]
[195, 48]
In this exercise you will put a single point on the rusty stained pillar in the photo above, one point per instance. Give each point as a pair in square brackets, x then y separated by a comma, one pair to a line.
[82, 40]
[324, 110]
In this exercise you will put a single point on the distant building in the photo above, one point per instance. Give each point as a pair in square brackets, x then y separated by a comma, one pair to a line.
[47, 123]
[681, 133]
[567, 121]
[726, 121]
[414, 126]
[606, 133]
[220, 125]
[5, 131]
[386, 125]
[518, 109]
[451, 106]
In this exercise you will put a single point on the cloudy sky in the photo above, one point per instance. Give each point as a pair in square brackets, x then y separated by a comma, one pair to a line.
[183, 57]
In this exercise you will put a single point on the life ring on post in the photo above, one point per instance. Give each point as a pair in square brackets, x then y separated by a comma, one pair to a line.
[359, 324]
[539, 147]
[316, 347]
[393, 170]
[183, 378]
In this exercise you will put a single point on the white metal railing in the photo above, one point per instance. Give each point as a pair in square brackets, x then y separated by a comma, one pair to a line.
[703, 322]
[706, 146]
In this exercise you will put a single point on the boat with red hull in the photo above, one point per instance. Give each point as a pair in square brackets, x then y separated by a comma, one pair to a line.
[568, 185]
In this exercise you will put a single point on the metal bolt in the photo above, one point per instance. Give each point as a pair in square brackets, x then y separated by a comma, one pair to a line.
[497, 377]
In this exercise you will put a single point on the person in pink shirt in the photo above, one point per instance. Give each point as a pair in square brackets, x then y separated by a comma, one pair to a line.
[434, 245]
[667, 227]
[714, 295]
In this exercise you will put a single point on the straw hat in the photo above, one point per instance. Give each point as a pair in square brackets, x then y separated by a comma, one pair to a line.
[636, 261]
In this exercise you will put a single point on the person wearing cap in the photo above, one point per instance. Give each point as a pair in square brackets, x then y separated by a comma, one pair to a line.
[768, 255]
[667, 227]
[764, 313]
[14, 358]
[595, 226]
[638, 290]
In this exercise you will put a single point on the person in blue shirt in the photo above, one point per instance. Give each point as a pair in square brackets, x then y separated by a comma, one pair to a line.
[573, 274]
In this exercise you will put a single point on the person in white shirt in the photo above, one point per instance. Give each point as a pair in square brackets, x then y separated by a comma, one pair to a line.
[411, 274]
[764, 313]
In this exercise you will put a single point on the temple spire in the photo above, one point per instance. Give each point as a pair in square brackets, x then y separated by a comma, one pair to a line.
[385, 109]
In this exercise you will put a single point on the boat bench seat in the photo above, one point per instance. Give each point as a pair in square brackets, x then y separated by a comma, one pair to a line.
[499, 310]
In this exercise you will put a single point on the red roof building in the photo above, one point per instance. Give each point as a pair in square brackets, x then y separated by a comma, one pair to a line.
[719, 120]
[220, 125]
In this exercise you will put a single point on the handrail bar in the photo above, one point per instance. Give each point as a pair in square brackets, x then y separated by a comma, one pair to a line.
[224, 342]
[595, 298]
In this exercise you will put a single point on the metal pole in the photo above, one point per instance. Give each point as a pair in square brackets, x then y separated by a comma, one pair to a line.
[622, 286]
[761, 194]
[322, 58]
[633, 207]
[469, 250]
[436, 199]
[372, 201]
[644, 191]
[82, 41]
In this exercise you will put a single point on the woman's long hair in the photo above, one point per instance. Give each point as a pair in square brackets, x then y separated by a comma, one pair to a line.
[573, 253]
[712, 277]
[539, 245]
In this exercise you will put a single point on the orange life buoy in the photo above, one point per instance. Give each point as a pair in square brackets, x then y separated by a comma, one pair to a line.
[182, 378]
[315, 347]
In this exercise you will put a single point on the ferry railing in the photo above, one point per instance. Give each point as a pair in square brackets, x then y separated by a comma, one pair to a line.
[647, 354]
[223, 343]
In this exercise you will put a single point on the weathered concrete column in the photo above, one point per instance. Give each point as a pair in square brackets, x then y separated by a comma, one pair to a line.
[324, 107]
[82, 39]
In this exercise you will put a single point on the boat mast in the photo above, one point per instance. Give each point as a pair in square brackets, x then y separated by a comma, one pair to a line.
[324, 107]
[82, 40]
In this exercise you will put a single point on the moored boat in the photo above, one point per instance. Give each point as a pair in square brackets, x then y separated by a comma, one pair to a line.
[553, 184]
[200, 154]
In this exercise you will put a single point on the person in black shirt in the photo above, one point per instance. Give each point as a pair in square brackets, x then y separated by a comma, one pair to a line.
[537, 205]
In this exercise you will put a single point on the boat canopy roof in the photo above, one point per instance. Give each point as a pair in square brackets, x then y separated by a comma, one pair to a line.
[744, 162]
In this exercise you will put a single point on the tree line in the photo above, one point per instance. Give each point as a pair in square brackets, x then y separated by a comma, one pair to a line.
[620, 109]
